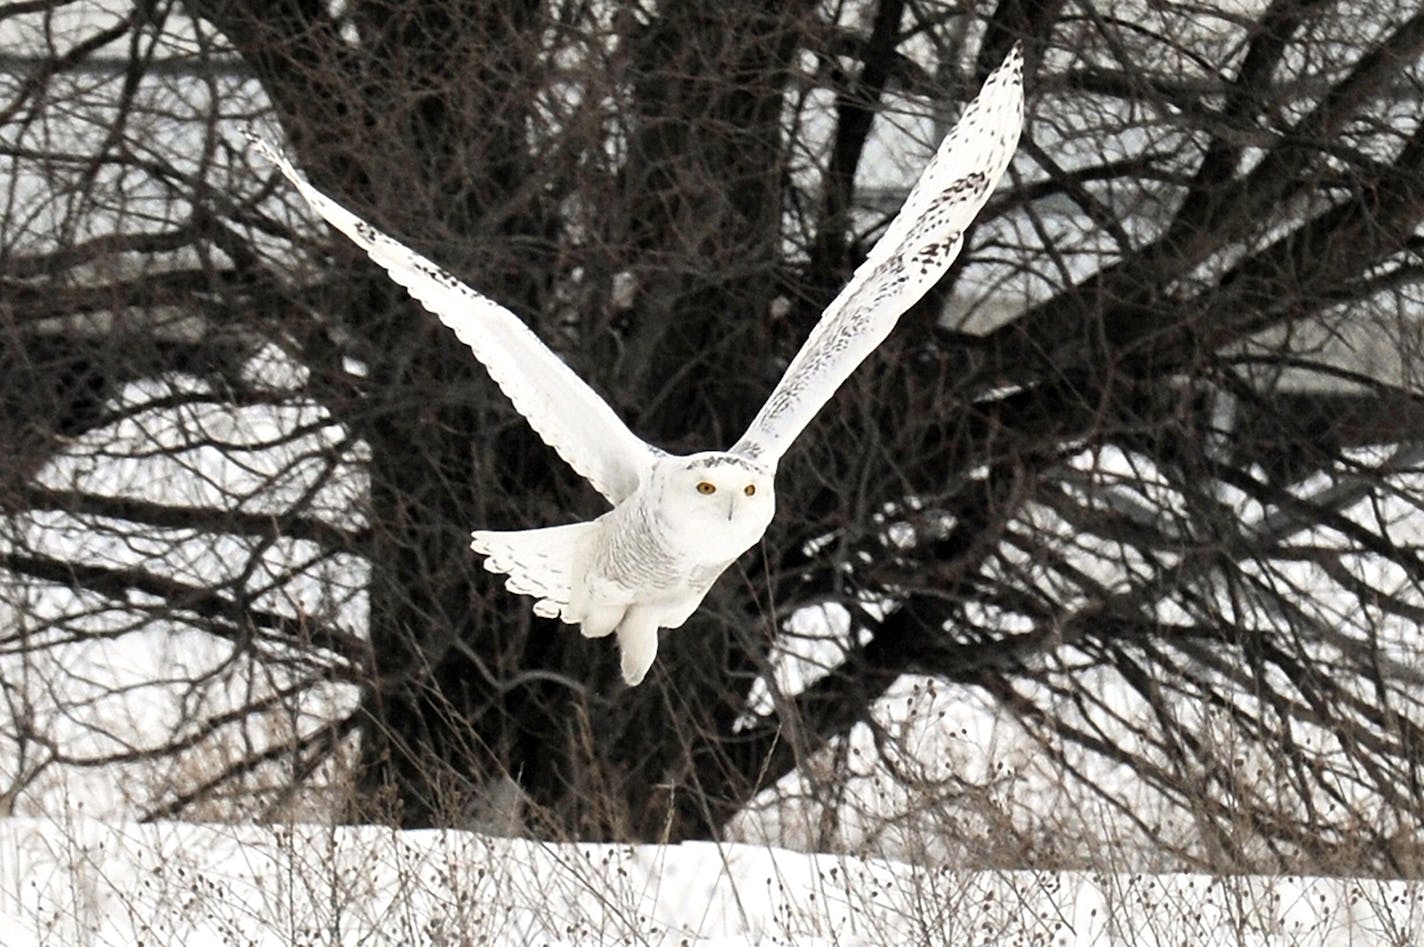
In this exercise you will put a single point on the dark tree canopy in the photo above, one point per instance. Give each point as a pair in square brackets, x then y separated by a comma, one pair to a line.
[1141, 471]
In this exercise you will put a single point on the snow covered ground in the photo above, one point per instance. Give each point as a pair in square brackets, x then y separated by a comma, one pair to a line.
[85, 882]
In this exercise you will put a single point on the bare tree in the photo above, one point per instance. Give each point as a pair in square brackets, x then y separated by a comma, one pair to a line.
[1153, 438]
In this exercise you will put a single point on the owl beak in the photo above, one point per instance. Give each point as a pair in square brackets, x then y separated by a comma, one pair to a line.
[731, 505]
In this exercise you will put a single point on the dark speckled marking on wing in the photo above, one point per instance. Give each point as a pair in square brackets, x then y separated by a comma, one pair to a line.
[916, 249]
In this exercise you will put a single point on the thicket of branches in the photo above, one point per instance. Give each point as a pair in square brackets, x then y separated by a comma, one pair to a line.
[1142, 470]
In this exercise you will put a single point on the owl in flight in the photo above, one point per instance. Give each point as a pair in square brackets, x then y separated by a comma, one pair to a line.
[678, 522]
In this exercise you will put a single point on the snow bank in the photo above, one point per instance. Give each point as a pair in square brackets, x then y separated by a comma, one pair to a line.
[88, 882]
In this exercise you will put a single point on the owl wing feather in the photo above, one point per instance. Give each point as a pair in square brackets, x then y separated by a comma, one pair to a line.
[915, 251]
[540, 563]
[560, 407]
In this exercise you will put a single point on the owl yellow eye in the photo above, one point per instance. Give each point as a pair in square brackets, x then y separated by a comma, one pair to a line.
[750, 490]
[705, 488]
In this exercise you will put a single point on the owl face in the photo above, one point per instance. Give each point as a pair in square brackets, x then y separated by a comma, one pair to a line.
[717, 505]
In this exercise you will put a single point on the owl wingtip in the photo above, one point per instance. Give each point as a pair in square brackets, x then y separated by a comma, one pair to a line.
[1014, 61]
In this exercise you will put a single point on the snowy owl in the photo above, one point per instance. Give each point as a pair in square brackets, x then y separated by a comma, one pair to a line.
[678, 522]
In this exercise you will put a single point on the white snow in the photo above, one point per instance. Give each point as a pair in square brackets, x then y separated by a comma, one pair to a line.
[81, 881]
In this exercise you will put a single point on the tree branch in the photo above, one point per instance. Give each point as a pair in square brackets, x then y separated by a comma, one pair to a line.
[117, 583]
[205, 519]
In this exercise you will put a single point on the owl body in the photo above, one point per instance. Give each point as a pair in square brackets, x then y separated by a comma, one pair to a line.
[648, 562]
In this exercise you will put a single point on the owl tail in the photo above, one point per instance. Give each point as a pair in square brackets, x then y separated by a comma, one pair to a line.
[539, 563]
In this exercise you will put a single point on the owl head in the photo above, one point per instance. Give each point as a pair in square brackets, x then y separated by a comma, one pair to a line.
[716, 504]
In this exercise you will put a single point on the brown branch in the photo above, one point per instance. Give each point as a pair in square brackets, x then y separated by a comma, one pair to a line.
[205, 519]
[106, 245]
[324, 740]
[23, 7]
[32, 302]
[295, 47]
[1125, 292]
[196, 735]
[117, 584]
[856, 108]
[57, 64]
[1270, 39]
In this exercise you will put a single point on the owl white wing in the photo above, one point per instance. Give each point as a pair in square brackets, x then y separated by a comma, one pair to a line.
[908, 259]
[560, 407]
